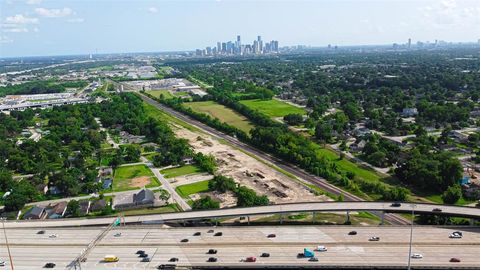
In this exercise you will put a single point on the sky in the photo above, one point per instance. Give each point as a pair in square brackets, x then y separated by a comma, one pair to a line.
[64, 27]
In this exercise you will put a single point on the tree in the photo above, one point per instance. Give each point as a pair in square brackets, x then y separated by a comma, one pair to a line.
[323, 131]
[247, 197]
[205, 203]
[6, 180]
[15, 201]
[222, 184]
[293, 119]
[132, 153]
[73, 208]
[452, 194]
[164, 195]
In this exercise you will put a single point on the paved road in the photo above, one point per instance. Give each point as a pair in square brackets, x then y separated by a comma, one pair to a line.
[32, 251]
[321, 182]
[259, 210]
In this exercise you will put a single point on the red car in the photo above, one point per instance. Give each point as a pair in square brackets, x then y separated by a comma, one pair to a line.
[251, 259]
[454, 260]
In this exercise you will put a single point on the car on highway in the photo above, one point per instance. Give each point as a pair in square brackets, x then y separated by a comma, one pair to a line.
[218, 234]
[41, 232]
[374, 238]
[272, 235]
[49, 265]
[212, 259]
[455, 260]
[52, 236]
[210, 231]
[265, 255]
[140, 252]
[173, 259]
[417, 256]
[321, 248]
[185, 240]
[146, 259]
[143, 255]
[212, 251]
[167, 266]
[197, 234]
[118, 234]
[395, 204]
[3, 263]
[250, 259]
[313, 259]
[300, 255]
[352, 233]
[437, 210]
[455, 235]
[458, 232]
[110, 258]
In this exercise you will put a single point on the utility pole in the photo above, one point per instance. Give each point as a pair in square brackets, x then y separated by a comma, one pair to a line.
[411, 237]
[6, 242]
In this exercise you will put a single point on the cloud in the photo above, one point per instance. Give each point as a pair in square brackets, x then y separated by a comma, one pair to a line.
[15, 30]
[452, 14]
[5, 39]
[76, 20]
[34, 2]
[153, 9]
[20, 19]
[54, 13]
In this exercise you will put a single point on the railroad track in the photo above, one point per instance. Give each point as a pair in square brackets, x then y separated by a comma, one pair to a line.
[298, 172]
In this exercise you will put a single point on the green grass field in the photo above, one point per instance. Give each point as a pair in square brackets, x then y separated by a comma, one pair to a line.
[156, 93]
[179, 171]
[273, 107]
[160, 115]
[221, 112]
[128, 178]
[186, 190]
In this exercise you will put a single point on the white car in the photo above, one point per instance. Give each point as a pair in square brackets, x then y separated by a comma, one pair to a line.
[455, 235]
[374, 238]
[2, 263]
[417, 256]
[321, 248]
[118, 234]
[52, 236]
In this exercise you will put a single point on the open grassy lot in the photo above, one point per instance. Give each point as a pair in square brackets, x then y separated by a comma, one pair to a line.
[186, 190]
[171, 208]
[156, 93]
[179, 171]
[273, 107]
[158, 114]
[133, 177]
[221, 112]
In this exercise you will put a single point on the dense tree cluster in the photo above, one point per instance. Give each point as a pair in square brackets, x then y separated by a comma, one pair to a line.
[246, 197]
[40, 87]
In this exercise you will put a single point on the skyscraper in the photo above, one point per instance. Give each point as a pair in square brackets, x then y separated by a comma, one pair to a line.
[219, 47]
[409, 44]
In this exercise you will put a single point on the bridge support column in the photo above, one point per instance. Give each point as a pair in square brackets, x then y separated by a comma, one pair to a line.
[313, 217]
[248, 220]
[348, 217]
[281, 218]
[216, 221]
[472, 222]
[383, 218]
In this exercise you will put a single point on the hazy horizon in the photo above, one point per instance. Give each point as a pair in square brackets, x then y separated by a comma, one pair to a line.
[48, 28]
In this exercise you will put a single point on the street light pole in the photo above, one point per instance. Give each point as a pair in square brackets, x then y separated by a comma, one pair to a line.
[411, 237]
[6, 242]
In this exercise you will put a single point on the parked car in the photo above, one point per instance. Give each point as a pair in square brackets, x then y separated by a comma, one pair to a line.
[184, 240]
[455, 260]
[49, 265]
[321, 248]
[265, 255]
[272, 235]
[218, 234]
[396, 204]
[313, 259]
[197, 234]
[146, 259]
[140, 252]
[352, 233]
[250, 259]
[212, 259]
[417, 256]
[173, 259]
[374, 238]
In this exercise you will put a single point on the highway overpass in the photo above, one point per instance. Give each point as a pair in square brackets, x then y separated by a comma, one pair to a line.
[385, 207]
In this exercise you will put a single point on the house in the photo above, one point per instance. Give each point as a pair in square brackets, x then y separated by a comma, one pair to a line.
[105, 171]
[409, 112]
[361, 132]
[143, 198]
[84, 207]
[53, 190]
[357, 147]
[36, 212]
[56, 210]
[98, 205]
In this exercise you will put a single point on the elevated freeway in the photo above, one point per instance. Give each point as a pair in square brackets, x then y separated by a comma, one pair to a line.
[384, 207]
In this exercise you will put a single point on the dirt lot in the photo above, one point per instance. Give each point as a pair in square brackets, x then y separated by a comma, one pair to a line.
[140, 182]
[249, 172]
